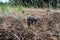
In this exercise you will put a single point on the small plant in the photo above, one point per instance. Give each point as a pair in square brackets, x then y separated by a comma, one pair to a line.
[20, 8]
[4, 9]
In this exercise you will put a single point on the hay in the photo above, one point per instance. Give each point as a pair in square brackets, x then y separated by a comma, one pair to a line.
[46, 28]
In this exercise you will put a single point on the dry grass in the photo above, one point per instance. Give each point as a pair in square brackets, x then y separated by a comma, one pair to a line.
[15, 28]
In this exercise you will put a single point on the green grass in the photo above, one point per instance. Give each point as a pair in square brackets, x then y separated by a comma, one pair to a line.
[20, 8]
[4, 9]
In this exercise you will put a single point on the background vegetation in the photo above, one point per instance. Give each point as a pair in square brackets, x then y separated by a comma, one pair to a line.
[35, 3]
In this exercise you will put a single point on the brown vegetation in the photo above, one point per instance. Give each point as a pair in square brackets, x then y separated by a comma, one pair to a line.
[46, 27]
